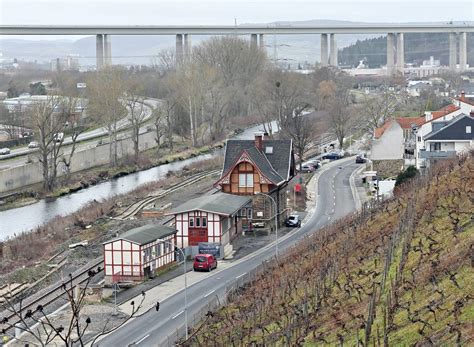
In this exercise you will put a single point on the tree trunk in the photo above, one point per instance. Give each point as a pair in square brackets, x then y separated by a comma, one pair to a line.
[191, 119]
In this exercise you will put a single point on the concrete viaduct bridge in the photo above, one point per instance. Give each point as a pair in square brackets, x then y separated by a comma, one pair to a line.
[395, 42]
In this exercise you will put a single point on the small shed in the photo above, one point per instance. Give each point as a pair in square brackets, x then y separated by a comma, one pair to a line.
[139, 253]
[215, 218]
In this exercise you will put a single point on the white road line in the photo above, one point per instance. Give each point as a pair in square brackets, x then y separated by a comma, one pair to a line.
[142, 339]
[241, 275]
[334, 203]
[177, 314]
[212, 291]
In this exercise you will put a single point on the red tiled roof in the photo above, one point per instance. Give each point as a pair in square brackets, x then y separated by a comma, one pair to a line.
[469, 101]
[407, 122]
[379, 131]
[444, 111]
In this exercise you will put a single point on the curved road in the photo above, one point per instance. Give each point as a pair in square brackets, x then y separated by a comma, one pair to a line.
[17, 156]
[335, 200]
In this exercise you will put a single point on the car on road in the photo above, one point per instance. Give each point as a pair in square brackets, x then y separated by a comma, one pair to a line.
[33, 144]
[332, 156]
[4, 151]
[58, 137]
[307, 168]
[293, 221]
[360, 159]
[204, 262]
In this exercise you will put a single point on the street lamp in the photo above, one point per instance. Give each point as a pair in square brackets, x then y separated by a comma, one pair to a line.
[185, 285]
[276, 220]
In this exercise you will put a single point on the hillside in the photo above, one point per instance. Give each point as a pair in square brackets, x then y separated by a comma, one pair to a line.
[418, 47]
[398, 274]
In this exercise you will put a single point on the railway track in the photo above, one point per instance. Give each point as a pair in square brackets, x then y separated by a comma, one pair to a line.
[49, 295]
[133, 209]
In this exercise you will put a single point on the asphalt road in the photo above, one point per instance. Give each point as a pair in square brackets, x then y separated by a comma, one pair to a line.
[17, 156]
[335, 200]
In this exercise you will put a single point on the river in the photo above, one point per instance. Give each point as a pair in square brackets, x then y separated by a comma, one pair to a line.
[17, 220]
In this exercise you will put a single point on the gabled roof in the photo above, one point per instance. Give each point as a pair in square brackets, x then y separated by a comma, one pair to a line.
[454, 130]
[146, 234]
[275, 166]
[219, 203]
[408, 122]
[379, 131]
[444, 111]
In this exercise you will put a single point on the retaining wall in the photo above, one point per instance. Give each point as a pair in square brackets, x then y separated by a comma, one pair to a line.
[20, 176]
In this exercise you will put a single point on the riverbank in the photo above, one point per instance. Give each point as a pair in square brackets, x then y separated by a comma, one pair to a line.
[87, 178]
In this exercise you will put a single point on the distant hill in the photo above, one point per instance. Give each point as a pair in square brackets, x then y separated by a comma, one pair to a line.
[418, 47]
[400, 274]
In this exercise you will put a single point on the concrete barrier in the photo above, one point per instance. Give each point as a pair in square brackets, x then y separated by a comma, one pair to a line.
[21, 176]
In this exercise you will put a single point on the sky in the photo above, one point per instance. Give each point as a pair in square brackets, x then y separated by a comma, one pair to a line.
[225, 12]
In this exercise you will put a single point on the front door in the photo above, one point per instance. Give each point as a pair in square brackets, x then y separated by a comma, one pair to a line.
[197, 235]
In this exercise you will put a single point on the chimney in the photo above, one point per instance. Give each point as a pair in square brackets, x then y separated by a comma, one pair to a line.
[463, 96]
[259, 141]
[428, 116]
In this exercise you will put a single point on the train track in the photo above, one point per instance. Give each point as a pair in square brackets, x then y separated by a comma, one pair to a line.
[49, 295]
[133, 209]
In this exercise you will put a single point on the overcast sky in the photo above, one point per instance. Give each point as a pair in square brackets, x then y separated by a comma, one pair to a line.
[168, 12]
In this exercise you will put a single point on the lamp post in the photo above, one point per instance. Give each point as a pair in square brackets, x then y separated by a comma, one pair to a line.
[185, 285]
[276, 220]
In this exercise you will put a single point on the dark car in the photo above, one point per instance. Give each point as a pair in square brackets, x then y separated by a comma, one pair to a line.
[293, 221]
[205, 262]
[331, 156]
[360, 159]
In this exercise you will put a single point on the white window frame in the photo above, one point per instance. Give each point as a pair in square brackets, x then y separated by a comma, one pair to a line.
[191, 222]
[468, 129]
[245, 180]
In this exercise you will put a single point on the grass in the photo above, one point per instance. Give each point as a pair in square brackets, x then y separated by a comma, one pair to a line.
[323, 295]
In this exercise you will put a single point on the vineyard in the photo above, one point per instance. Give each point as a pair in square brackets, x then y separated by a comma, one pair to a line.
[398, 274]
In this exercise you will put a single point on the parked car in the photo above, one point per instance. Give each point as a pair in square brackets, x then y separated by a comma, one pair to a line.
[204, 262]
[33, 144]
[360, 159]
[332, 156]
[293, 221]
[307, 168]
[258, 224]
[4, 151]
[315, 163]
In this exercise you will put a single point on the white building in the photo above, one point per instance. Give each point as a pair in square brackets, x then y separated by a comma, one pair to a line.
[139, 253]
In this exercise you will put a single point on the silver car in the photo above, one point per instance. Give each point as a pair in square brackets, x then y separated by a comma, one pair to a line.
[4, 151]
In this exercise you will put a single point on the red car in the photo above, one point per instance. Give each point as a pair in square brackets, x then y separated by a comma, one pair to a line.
[205, 262]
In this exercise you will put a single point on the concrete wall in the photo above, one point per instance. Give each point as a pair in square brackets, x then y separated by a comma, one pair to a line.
[18, 177]
[390, 146]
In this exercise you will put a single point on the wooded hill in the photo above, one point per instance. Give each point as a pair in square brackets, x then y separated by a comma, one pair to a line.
[398, 274]
[418, 47]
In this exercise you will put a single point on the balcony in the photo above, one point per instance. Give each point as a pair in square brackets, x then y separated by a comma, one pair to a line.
[436, 154]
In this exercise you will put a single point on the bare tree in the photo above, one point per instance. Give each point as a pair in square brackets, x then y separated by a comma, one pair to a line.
[49, 120]
[379, 108]
[42, 330]
[137, 112]
[106, 90]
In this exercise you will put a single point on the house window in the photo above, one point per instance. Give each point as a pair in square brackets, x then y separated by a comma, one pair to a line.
[198, 222]
[245, 180]
[249, 213]
[468, 129]
[435, 146]
[269, 150]
[191, 222]
[204, 221]
[419, 138]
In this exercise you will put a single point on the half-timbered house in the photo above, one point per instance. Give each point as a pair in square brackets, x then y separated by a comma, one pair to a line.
[259, 166]
[215, 218]
[139, 253]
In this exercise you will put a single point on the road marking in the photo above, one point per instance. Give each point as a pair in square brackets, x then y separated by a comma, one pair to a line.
[176, 315]
[142, 339]
[334, 203]
[241, 275]
[212, 291]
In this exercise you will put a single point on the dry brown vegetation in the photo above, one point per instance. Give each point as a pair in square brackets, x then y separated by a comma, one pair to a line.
[399, 273]
[30, 247]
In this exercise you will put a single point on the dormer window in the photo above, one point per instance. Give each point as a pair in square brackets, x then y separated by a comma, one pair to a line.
[268, 150]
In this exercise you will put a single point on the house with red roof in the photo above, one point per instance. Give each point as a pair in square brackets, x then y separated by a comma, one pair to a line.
[388, 148]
